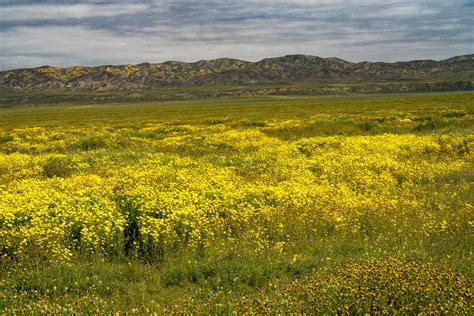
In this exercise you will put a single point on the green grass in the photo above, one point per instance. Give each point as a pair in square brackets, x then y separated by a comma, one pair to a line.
[257, 108]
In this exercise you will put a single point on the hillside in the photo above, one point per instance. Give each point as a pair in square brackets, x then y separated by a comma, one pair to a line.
[228, 72]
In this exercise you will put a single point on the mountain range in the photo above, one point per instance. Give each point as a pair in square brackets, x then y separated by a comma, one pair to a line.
[228, 72]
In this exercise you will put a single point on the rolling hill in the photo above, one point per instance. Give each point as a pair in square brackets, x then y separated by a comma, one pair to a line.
[230, 72]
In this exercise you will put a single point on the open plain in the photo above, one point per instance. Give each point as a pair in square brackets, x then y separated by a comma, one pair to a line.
[271, 204]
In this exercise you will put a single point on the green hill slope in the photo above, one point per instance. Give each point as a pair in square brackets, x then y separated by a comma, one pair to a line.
[224, 71]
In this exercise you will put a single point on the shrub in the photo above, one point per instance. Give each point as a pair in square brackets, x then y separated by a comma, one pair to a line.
[59, 166]
[91, 142]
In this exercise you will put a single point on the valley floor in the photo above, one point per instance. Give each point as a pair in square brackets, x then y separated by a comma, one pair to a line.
[283, 204]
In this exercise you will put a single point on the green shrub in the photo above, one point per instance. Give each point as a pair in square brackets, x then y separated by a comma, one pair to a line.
[59, 166]
[91, 142]
[6, 138]
[366, 126]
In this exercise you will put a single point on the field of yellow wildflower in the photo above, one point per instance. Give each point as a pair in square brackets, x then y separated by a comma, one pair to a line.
[265, 205]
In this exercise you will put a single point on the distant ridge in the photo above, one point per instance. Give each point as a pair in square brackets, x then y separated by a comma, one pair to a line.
[225, 71]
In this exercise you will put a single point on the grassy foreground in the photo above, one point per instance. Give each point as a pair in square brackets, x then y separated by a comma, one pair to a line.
[264, 205]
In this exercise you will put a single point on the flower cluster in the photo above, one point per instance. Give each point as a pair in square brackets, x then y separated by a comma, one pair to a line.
[163, 187]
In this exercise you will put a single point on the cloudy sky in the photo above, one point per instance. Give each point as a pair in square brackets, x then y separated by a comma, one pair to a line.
[68, 32]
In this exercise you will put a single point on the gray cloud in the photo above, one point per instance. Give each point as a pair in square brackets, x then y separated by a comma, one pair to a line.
[50, 12]
[64, 33]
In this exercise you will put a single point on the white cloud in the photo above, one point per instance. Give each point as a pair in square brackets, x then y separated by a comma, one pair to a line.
[62, 46]
[73, 11]
[409, 10]
[251, 30]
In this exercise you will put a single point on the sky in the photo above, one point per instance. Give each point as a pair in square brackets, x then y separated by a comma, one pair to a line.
[70, 32]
